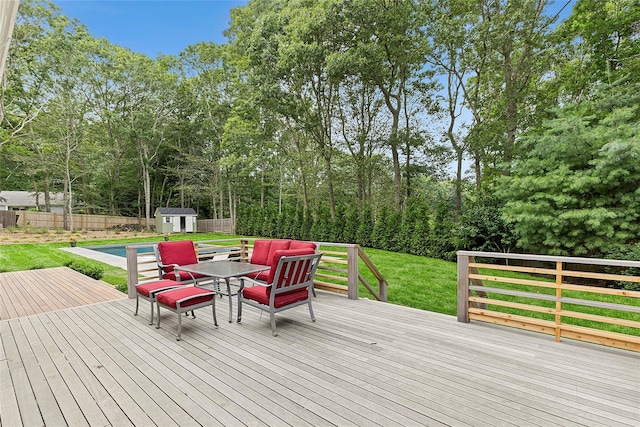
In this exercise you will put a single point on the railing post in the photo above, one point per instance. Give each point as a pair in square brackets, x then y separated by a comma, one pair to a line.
[382, 290]
[352, 272]
[463, 288]
[558, 318]
[132, 270]
[244, 250]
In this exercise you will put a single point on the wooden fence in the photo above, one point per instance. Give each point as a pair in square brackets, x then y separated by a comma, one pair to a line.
[8, 218]
[215, 226]
[80, 221]
[541, 299]
[339, 269]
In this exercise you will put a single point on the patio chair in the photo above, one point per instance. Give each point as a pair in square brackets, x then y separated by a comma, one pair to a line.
[287, 286]
[172, 254]
[264, 251]
[185, 299]
[149, 290]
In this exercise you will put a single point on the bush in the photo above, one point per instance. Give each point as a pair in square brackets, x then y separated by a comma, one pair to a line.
[483, 228]
[93, 271]
[632, 253]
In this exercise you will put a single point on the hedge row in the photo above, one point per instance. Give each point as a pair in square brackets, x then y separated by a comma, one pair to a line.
[420, 229]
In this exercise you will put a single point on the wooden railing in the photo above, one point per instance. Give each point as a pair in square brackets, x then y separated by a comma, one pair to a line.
[338, 271]
[552, 295]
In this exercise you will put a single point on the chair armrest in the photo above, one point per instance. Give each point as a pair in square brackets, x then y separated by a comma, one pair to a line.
[167, 265]
[253, 283]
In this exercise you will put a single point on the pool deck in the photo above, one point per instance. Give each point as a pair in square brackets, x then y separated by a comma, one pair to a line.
[113, 260]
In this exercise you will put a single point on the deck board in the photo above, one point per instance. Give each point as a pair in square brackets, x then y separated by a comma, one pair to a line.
[25, 293]
[362, 363]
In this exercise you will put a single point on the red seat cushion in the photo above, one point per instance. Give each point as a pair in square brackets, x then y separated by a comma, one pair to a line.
[170, 298]
[260, 294]
[182, 253]
[146, 288]
[260, 254]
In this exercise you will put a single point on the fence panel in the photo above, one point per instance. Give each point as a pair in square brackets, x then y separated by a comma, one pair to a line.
[8, 218]
[53, 220]
[215, 226]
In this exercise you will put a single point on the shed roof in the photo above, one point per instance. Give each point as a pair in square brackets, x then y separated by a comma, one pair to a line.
[175, 211]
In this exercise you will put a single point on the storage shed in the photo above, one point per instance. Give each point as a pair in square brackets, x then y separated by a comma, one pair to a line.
[176, 220]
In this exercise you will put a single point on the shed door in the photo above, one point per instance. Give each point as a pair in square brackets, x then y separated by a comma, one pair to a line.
[183, 224]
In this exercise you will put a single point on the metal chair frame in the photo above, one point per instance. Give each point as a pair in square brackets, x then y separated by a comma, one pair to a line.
[180, 309]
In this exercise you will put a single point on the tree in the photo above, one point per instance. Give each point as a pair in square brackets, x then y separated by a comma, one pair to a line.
[576, 191]
[598, 43]
[384, 44]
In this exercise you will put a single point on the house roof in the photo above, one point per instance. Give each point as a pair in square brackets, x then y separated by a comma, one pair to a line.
[28, 199]
[176, 211]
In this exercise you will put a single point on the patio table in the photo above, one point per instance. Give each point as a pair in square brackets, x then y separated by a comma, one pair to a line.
[225, 270]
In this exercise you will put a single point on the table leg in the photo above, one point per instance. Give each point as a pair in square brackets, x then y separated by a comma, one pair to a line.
[230, 300]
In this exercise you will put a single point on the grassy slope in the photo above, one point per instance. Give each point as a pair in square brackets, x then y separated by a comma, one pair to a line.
[415, 281]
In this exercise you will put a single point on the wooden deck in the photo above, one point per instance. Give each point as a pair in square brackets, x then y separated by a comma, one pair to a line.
[38, 291]
[363, 363]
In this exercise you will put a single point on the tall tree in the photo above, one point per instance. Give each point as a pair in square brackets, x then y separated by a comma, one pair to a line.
[576, 190]
[384, 44]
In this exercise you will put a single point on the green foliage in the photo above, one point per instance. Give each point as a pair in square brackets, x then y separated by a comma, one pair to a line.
[577, 192]
[632, 253]
[365, 228]
[352, 222]
[321, 228]
[337, 226]
[377, 235]
[93, 271]
[442, 229]
[483, 228]
[305, 227]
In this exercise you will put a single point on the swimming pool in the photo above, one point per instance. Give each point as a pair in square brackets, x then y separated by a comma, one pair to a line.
[121, 250]
[143, 248]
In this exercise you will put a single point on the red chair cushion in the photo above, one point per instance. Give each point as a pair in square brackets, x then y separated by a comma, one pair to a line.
[182, 253]
[277, 245]
[260, 294]
[146, 288]
[288, 252]
[170, 298]
[260, 254]
[299, 244]
[184, 276]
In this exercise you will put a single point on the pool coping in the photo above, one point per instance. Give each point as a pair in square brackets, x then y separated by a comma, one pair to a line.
[109, 259]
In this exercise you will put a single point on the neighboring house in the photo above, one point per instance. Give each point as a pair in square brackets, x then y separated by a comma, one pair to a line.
[26, 200]
[175, 220]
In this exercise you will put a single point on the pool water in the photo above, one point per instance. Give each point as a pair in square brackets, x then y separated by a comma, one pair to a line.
[117, 250]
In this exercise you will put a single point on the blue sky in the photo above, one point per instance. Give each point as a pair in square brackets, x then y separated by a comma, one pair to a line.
[167, 26]
[153, 26]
